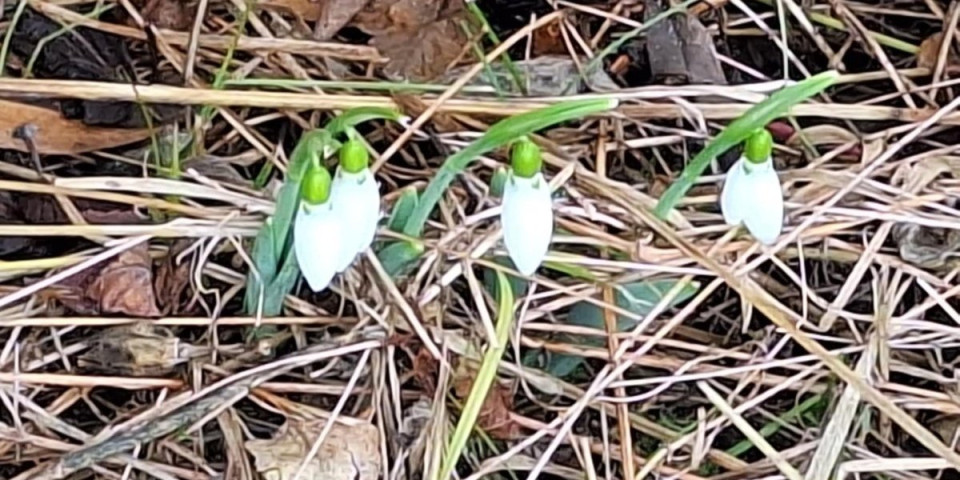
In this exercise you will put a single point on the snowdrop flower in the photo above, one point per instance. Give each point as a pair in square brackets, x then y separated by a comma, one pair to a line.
[752, 194]
[317, 232]
[527, 213]
[356, 200]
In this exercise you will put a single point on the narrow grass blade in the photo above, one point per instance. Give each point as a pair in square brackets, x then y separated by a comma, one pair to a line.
[402, 210]
[485, 378]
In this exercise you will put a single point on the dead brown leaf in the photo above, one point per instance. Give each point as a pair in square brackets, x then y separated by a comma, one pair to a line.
[349, 452]
[308, 10]
[334, 15]
[421, 38]
[125, 285]
[494, 415]
[924, 246]
[58, 136]
[425, 369]
[548, 41]
[680, 49]
[169, 14]
[173, 278]
[930, 51]
[424, 54]
[139, 350]
[384, 16]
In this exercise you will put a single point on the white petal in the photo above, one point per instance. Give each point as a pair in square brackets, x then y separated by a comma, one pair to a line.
[317, 241]
[764, 218]
[527, 219]
[356, 199]
[734, 199]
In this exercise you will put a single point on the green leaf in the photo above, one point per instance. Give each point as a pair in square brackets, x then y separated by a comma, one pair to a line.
[757, 117]
[497, 181]
[403, 209]
[398, 257]
[265, 261]
[561, 365]
[638, 298]
[517, 284]
[282, 284]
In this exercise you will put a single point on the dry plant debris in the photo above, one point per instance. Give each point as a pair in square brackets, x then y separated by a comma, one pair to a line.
[122, 285]
[348, 452]
[126, 229]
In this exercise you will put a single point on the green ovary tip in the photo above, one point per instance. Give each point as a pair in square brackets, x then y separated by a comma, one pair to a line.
[759, 146]
[525, 159]
[353, 156]
[315, 188]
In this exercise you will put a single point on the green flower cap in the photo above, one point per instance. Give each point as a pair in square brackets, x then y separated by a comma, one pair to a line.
[353, 156]
[759, 146]
[315, 187]
[525, 159]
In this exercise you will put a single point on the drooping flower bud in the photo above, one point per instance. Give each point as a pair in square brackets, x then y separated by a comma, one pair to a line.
[356, 199]
[315, 187]
[354, 157]
[752, 194]
[527, 211]
[526, 159]
[759, 146]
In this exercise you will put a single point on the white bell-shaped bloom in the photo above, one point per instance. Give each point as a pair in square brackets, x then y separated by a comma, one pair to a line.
[752, 195]
[356, 200]
[527, 219]
[317, 243]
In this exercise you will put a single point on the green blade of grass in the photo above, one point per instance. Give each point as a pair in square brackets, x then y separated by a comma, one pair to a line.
[484, 380]
[773, 427]
[755, 118]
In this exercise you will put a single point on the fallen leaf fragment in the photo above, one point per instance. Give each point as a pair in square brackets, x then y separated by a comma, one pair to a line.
[548, 40]
[349, 452]
[140, 350]
[172, 278]
[57, 135]
[680, 49]
[421, 38]
[168, 14]
[930, 51]
[334, 15]
[308, 10]
[543, 76]
[495, 412]
[383, 16]
[926, 247]
[424, 54]
[125, 285]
